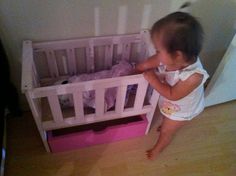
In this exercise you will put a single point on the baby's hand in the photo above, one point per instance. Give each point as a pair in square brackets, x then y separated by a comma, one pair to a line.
[133, 72]
[149, 75]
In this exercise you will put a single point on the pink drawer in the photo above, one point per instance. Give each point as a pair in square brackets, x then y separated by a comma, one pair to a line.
[97, 133]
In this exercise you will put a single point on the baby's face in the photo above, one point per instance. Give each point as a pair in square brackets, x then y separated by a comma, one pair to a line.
[163, 55]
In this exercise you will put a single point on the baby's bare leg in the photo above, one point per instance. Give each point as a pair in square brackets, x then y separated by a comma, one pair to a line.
[159, 122]
[168, 129]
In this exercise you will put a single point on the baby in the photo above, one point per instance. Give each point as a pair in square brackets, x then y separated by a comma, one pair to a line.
[178, 39]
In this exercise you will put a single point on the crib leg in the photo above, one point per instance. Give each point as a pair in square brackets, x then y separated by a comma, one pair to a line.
[36, 115]
[149, 117]
[45, 142]
[153, 101]
[43, 136]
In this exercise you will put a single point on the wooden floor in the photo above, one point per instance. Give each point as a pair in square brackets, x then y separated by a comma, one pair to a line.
[205, 147]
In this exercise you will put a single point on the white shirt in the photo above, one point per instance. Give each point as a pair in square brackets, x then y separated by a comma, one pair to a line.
[189, 106]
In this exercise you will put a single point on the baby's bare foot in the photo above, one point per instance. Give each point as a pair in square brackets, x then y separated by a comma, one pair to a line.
[152, 154]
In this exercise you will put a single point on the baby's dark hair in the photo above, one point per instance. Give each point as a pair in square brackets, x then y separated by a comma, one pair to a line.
[180, 31]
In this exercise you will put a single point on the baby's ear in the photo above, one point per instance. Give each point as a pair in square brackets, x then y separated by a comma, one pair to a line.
[179, 55]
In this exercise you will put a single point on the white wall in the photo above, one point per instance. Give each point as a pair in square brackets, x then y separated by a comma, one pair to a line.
[41, 20]
[218, 18]
[222, 87]
[64, 19]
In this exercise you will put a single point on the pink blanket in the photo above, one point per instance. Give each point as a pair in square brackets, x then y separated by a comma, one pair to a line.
[121, 69]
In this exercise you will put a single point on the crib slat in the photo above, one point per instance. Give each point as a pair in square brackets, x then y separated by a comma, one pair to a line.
[99, 101]
[52, 64]
[71, 61]
[64, 62]
[108, 56]
[117, 40]
[140, 95]
[120, 99]
[55, 108]
[90, 56]
[78, 104]
[126, 51]
[142, 51]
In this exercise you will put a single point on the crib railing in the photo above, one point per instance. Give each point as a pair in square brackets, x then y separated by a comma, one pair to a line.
[66, 63]
[76, 89]
[115, 48]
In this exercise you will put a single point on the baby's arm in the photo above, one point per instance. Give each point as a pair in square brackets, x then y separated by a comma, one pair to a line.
[179, 90]
[151, 62]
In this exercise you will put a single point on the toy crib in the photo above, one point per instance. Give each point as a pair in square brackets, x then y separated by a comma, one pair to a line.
[46, 62]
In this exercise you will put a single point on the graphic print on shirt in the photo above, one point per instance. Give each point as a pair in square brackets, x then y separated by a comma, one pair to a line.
[169, 108]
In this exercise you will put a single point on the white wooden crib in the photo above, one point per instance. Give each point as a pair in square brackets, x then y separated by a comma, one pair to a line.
[45, 62]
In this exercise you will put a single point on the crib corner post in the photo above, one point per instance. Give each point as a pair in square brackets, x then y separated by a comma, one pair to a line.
[27, 69]
[149, 117]
[146, 37]
[144, 32]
